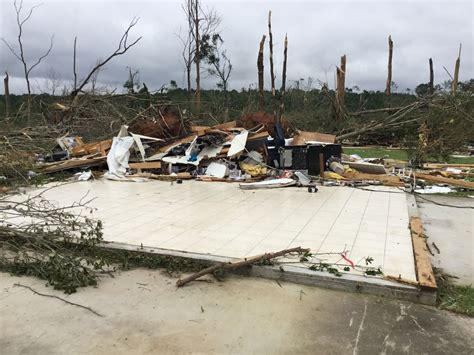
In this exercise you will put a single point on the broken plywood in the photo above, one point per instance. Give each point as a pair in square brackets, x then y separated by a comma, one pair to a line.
[424, 270]
[304, 137]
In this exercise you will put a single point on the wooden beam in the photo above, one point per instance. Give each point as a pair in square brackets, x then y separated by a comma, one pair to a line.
[424, 270]
[145, 165]
[444, 180]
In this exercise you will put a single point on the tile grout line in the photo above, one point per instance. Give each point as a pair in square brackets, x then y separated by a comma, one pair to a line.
[327, 234]
[311, 218]
[215, 251]
[263, 237]
[360, 224]
[386, 233]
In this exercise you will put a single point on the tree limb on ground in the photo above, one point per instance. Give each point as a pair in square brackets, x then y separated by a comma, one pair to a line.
[233, 266]
[59, 298]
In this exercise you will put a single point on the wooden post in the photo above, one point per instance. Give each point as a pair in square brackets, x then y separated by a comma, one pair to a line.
[261, 102]
[388, 86]
[7, 95]
[431, 84]
[321, 165]
[454, 85]
[283, 81]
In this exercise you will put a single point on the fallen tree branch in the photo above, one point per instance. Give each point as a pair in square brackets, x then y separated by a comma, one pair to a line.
[59, 298]
[239, 264]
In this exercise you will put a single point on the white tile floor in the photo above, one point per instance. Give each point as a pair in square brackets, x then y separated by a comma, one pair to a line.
[220, 219]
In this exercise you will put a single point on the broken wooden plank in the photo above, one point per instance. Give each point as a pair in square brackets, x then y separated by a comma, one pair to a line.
[160, 177]
[442, 165]
[74, 163]
[187, 139]
[388, 180]
[304, 137]
[90, 148]
[257, 136]
[444, 180]
[227, 125]
[145, 165]
[424, 270]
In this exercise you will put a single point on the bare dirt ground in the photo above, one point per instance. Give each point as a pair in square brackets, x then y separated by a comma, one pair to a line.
[144, 313]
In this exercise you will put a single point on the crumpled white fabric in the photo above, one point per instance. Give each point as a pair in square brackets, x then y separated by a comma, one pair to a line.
[117, 158]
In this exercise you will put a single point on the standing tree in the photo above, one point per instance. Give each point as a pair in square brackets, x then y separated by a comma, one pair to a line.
[20, 52]
[260, 67]
[133, 81]
[454, 84]
[202, 26]
[219, 63]
[388, 85]
[431, 84]
[6, 89]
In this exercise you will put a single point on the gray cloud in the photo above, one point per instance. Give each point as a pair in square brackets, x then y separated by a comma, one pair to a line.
[319, 33]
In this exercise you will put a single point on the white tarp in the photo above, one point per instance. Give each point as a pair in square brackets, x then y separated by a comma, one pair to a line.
[118, 156]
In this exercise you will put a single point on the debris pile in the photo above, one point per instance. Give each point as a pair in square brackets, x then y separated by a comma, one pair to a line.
[257, 151]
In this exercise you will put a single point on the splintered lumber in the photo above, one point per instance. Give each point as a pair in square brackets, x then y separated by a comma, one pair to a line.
[233, 266]
[73, 163]
[442, 165]
[444, 180]
[388, 180]
[90, 148]
[181, 176]
[187, 139]
[304, 137]
[424, 270]
[145, 165]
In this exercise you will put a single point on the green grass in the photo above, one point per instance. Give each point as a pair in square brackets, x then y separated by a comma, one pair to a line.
[459, 299]
[399, 154]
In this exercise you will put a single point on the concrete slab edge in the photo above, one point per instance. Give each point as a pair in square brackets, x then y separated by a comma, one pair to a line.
[299, 275]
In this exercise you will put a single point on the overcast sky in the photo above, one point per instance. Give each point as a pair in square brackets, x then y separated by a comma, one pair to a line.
[319, 32]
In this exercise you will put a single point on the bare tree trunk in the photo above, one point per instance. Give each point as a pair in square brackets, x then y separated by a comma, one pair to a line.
[270, 44]
[74, 64]
[188, 77]
[283, 81]
[454, 85]
[343, 78]
[388, 86]
[7, 95]
[341, 83]
[431, 84]
[198, 44]
[261, 102]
